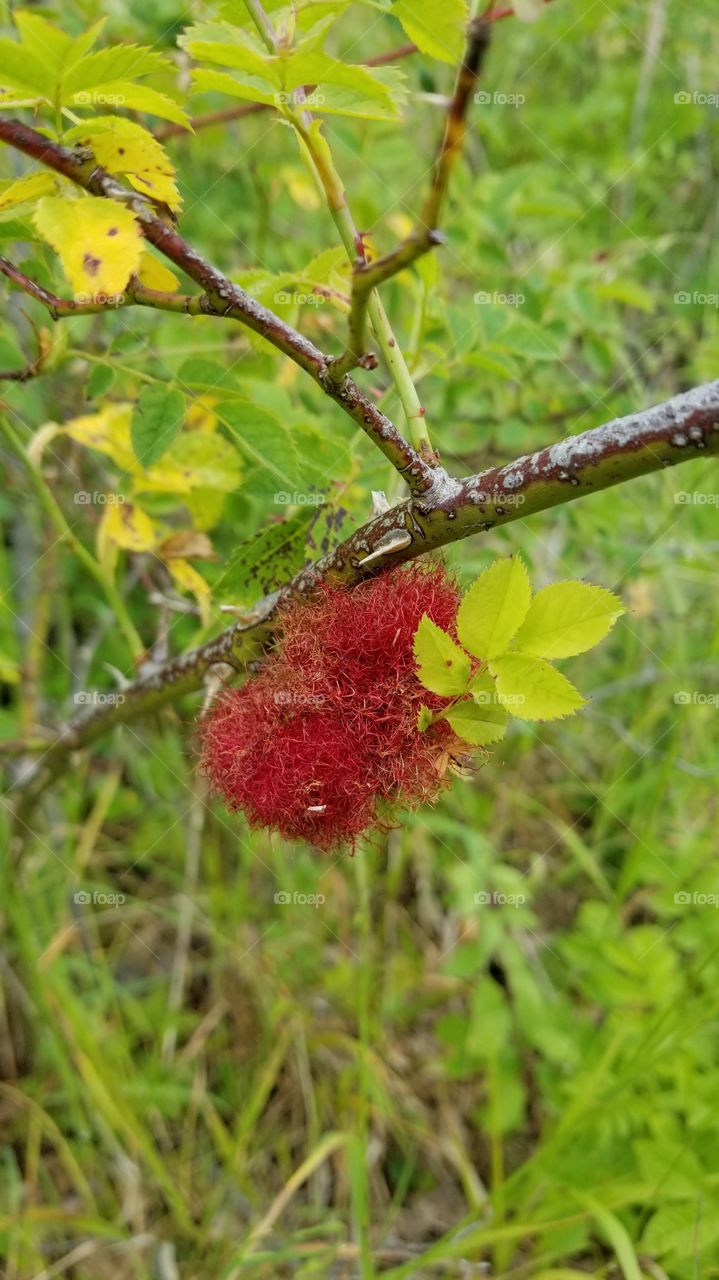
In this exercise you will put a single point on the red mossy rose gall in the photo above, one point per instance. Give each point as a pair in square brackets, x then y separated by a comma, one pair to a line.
[322, 745]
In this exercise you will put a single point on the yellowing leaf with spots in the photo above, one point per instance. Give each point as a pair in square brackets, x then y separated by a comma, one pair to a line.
[124, 525]
[201, 414]
[30, 187]
[123, 147]
[155, 275]
[98, 241]
[107, 431]
[190, 580]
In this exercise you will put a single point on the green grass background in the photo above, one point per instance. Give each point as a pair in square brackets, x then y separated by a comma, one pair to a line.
[400, 1080]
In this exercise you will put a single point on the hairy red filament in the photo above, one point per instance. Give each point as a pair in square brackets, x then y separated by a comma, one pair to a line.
[323, 744]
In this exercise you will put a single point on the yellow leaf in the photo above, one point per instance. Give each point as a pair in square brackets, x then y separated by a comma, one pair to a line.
[123, 147]
[27, 188]
[127, 526]
[188, 578]
[40, 440]
[107, 431]
[155, 275]
[205, 507]
[201, 414]
[98, 242]
[195, 461]
[186, 542]
[301, 187]
[9, 670]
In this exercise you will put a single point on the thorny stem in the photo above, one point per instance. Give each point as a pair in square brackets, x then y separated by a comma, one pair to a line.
[135, 294]
[65, 533]
[262, 22]
[333, 187]
[367, 276]
[682, 429]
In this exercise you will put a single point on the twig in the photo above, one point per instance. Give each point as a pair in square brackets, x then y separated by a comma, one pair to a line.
[321, 161]
[135, 295]
[21, 375]
[366, 276]
[262, 22]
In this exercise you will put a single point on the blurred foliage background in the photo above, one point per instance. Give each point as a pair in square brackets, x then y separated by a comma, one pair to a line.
[213, 1074]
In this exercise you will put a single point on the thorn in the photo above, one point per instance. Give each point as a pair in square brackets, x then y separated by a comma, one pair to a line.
[368, 360]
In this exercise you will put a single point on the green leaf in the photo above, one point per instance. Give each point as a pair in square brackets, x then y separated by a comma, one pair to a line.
[341, 100]
[156, 421]
[628, 291]
[436, 28]
[377, 91]
[139, 97]
[424, 718]
[681, 1231]
[99, 381]
[225, 45]
[567, 618]
[29, 187]
[128, 62]
[43, 41]
[531, 689]
[494, 607]
[272, 556]
[264, 439]
[442, 667]
[22, 75]
[483, 719]
[236, 84]
[207, 460]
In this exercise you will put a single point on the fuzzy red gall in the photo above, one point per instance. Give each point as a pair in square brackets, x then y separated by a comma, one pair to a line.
[323, 744]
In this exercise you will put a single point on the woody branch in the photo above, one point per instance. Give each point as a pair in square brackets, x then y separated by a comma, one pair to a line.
[221, 298]
[366, 276]
[684, 428]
